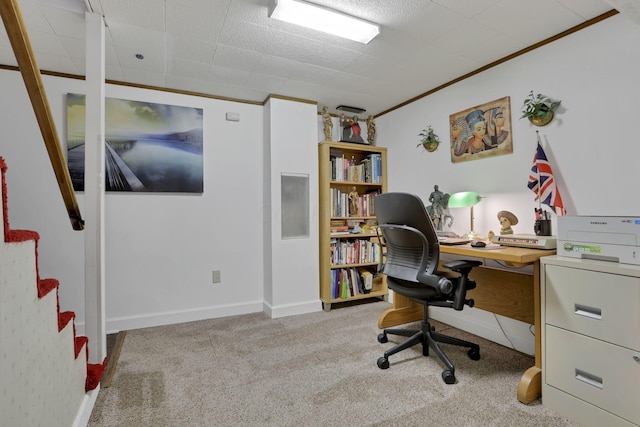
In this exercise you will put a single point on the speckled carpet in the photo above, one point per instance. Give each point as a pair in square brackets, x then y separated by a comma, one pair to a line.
[315, 369]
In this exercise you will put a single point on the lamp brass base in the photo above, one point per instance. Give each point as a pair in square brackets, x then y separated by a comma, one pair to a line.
[472, 235]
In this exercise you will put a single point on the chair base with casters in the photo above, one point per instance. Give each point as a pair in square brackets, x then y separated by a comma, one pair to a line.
[426, 335]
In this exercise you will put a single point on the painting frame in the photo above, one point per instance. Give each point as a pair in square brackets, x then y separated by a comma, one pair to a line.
[149, 147]
[350, 129]
[481, 131]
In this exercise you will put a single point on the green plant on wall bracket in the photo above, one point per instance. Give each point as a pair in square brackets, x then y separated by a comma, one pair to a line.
[539, 109]
[429, 139]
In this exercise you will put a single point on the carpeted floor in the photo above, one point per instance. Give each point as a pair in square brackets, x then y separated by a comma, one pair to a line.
[316, 369]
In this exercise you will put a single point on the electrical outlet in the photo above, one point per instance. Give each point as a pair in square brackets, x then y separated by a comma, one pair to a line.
[215, 276]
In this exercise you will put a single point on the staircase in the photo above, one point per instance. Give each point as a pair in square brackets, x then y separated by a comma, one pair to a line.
[44, 374]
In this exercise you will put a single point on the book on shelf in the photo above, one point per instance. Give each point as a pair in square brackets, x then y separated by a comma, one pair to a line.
[349, 282]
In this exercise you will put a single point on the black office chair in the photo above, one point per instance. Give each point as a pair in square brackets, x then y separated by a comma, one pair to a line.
[410, 264]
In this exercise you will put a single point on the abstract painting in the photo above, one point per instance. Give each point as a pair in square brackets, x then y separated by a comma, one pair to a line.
[148, 147]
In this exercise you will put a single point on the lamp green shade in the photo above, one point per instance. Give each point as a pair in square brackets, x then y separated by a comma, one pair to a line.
[464, 199]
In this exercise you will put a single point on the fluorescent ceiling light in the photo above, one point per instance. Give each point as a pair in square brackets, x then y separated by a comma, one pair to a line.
[322, 19]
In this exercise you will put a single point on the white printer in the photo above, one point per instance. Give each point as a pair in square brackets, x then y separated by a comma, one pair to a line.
[607, 238]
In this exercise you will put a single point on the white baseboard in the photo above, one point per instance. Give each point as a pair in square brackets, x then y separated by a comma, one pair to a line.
[292, 309]
[174, 317]
[86, 407]
[169, 318]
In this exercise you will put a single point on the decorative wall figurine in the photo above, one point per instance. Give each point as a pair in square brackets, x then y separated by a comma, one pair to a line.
[507, 219]
[327, 123]
[371, 131]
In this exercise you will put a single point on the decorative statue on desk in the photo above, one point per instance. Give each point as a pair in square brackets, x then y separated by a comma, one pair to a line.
[327, 123]
[507, 219]
[439, 209]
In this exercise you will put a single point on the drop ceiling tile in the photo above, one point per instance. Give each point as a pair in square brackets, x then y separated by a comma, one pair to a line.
[191, 69]
[587, 9]
[226, 74]
[180, 47]
[508, 17]
[75, 48]
[129, 41]
[201, 19]
[33, 18]
[44, 43]
[466, 7]
[246, 36]
[149, 14]
[233, 57]
[263, 81]
[65, 22]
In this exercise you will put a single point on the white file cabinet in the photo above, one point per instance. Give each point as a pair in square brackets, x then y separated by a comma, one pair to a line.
[591, 340]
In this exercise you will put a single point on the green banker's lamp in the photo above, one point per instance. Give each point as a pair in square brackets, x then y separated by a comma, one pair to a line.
[466, 199]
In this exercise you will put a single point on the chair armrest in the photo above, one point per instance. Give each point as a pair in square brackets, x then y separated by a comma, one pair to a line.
[440, 283]
[460, 264]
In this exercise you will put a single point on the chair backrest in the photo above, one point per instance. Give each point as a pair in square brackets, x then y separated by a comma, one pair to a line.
[409, 235]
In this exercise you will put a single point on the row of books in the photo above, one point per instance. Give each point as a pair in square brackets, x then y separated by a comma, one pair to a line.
[349, 282]
[348, 169]
[354, 251]
[341, 204]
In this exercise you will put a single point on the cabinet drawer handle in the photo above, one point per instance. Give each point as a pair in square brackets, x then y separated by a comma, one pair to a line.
[636, 358]
[588, 378]
[586, 311]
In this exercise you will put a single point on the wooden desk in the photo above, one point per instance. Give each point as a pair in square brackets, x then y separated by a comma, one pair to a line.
[509, 293]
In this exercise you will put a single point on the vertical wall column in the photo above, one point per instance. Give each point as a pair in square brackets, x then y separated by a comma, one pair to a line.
[95, 324]
[291, 262]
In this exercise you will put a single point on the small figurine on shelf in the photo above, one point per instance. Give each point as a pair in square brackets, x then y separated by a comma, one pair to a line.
[507, 219]
[327, 123]
[371, 131]
[354, 199]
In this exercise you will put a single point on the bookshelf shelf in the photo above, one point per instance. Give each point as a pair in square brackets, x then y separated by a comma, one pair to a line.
[346, 168]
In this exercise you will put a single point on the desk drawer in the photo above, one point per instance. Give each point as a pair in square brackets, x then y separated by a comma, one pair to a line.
[600, 373]
[600, 305]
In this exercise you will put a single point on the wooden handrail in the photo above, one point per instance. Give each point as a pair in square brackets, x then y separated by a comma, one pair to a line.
[17, 32]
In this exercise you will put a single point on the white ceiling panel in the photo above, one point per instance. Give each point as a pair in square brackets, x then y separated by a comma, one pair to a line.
[232, 49]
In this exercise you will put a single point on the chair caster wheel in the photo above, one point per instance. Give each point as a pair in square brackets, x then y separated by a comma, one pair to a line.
[382, 338]
[448, 377]
[474, 353]
[383, 363]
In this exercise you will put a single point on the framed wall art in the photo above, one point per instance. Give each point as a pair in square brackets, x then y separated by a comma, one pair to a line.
[352, 129]
[481, 131]
[149, 147]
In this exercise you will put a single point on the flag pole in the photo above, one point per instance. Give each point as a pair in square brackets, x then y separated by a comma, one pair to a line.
[538, 169]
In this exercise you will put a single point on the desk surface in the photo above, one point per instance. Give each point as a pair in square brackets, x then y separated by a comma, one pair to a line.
[504, 253]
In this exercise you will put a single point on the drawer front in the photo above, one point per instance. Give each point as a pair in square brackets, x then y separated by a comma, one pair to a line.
[601, 305]
[599, 373]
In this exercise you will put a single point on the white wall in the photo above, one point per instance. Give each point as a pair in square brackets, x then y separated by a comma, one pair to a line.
[160, 248]
[591, 142]
[292, 273]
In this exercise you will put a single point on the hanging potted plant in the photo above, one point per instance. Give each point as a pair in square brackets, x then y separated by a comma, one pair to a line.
[429, 139]
[539, 109]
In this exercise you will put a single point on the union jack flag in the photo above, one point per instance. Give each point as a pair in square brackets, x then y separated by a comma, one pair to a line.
[542, 183]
